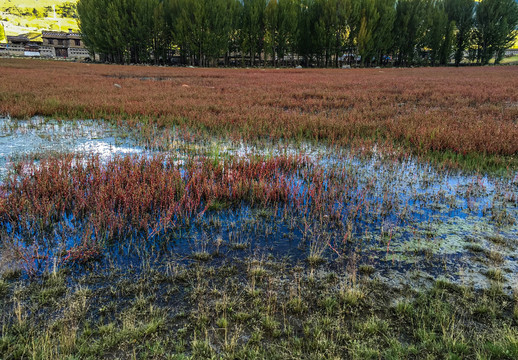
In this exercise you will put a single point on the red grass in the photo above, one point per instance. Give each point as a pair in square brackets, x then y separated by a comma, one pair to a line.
[462, 110]
[136, 195]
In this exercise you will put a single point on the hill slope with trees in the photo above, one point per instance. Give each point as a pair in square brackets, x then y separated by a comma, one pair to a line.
[23, 16]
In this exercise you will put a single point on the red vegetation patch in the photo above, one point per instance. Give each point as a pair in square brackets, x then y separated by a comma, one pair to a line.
[133, 195]
[463, 110]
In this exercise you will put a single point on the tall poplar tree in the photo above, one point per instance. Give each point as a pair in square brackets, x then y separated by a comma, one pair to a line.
[439, 33]
[253, 28]
[496, 24]
[461, 12]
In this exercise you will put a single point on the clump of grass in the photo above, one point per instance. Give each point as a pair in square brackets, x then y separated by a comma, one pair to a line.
[239, 243]
[241, 316]
[201, 255]
[270, 325]
[475, 248]
[201, 248]
[329, 304]
[495, 256]
[366, 269]
[504, 345]
[4, 287]
[495, 274]
[317, 246]
[257, 271]
[373, 326]
[218, 205]
[264, 213]
[502, 217]
[222, 323]
[405, 309]
[445, 284]
[315, 259]
[52, 290]
[498, 239]
[483, 309]
[351, 296]
[296, 305]
[11, 273]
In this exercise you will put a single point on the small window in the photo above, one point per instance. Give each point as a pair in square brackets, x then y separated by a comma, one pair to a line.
[78, 42]
[51, 41]
[60, 42]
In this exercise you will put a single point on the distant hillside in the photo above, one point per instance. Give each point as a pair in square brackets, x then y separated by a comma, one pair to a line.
[23, 16]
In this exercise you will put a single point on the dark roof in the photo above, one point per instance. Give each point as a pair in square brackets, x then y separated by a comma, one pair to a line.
[25, 38]
[18, 38]
[60, 34]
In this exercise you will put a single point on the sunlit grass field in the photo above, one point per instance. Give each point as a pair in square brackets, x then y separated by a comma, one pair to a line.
[16, 24]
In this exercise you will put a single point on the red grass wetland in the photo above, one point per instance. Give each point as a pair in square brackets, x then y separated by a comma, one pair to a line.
[152, 212]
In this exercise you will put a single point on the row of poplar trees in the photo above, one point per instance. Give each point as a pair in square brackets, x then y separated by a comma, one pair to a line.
[310, 32]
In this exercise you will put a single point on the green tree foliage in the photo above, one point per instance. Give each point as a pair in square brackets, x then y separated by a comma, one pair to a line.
[409, 29]
[306, 31]
[438, 38]
[383, 38]
[346, 20]
[253, 18]
[461, 12]
[202, 28]
[327, 27]
[496, 24]
[369, 19]
[376, 23]
[123, 30]
[281, 28]
[99, 29]
[314, 32]
[321, 30]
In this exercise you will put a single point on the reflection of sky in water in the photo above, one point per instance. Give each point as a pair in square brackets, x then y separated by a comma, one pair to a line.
[22, 137]
[440, 220]
[104, 148]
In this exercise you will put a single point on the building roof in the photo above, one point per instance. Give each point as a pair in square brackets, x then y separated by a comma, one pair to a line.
[34, 37]
[25, 38]
[60, 34]
[17, 38]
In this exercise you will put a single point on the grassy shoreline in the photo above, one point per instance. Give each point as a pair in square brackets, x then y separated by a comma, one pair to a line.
[251, 308]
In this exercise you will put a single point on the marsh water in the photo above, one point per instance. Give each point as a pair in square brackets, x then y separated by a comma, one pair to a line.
[420, 222]
[38, 136]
